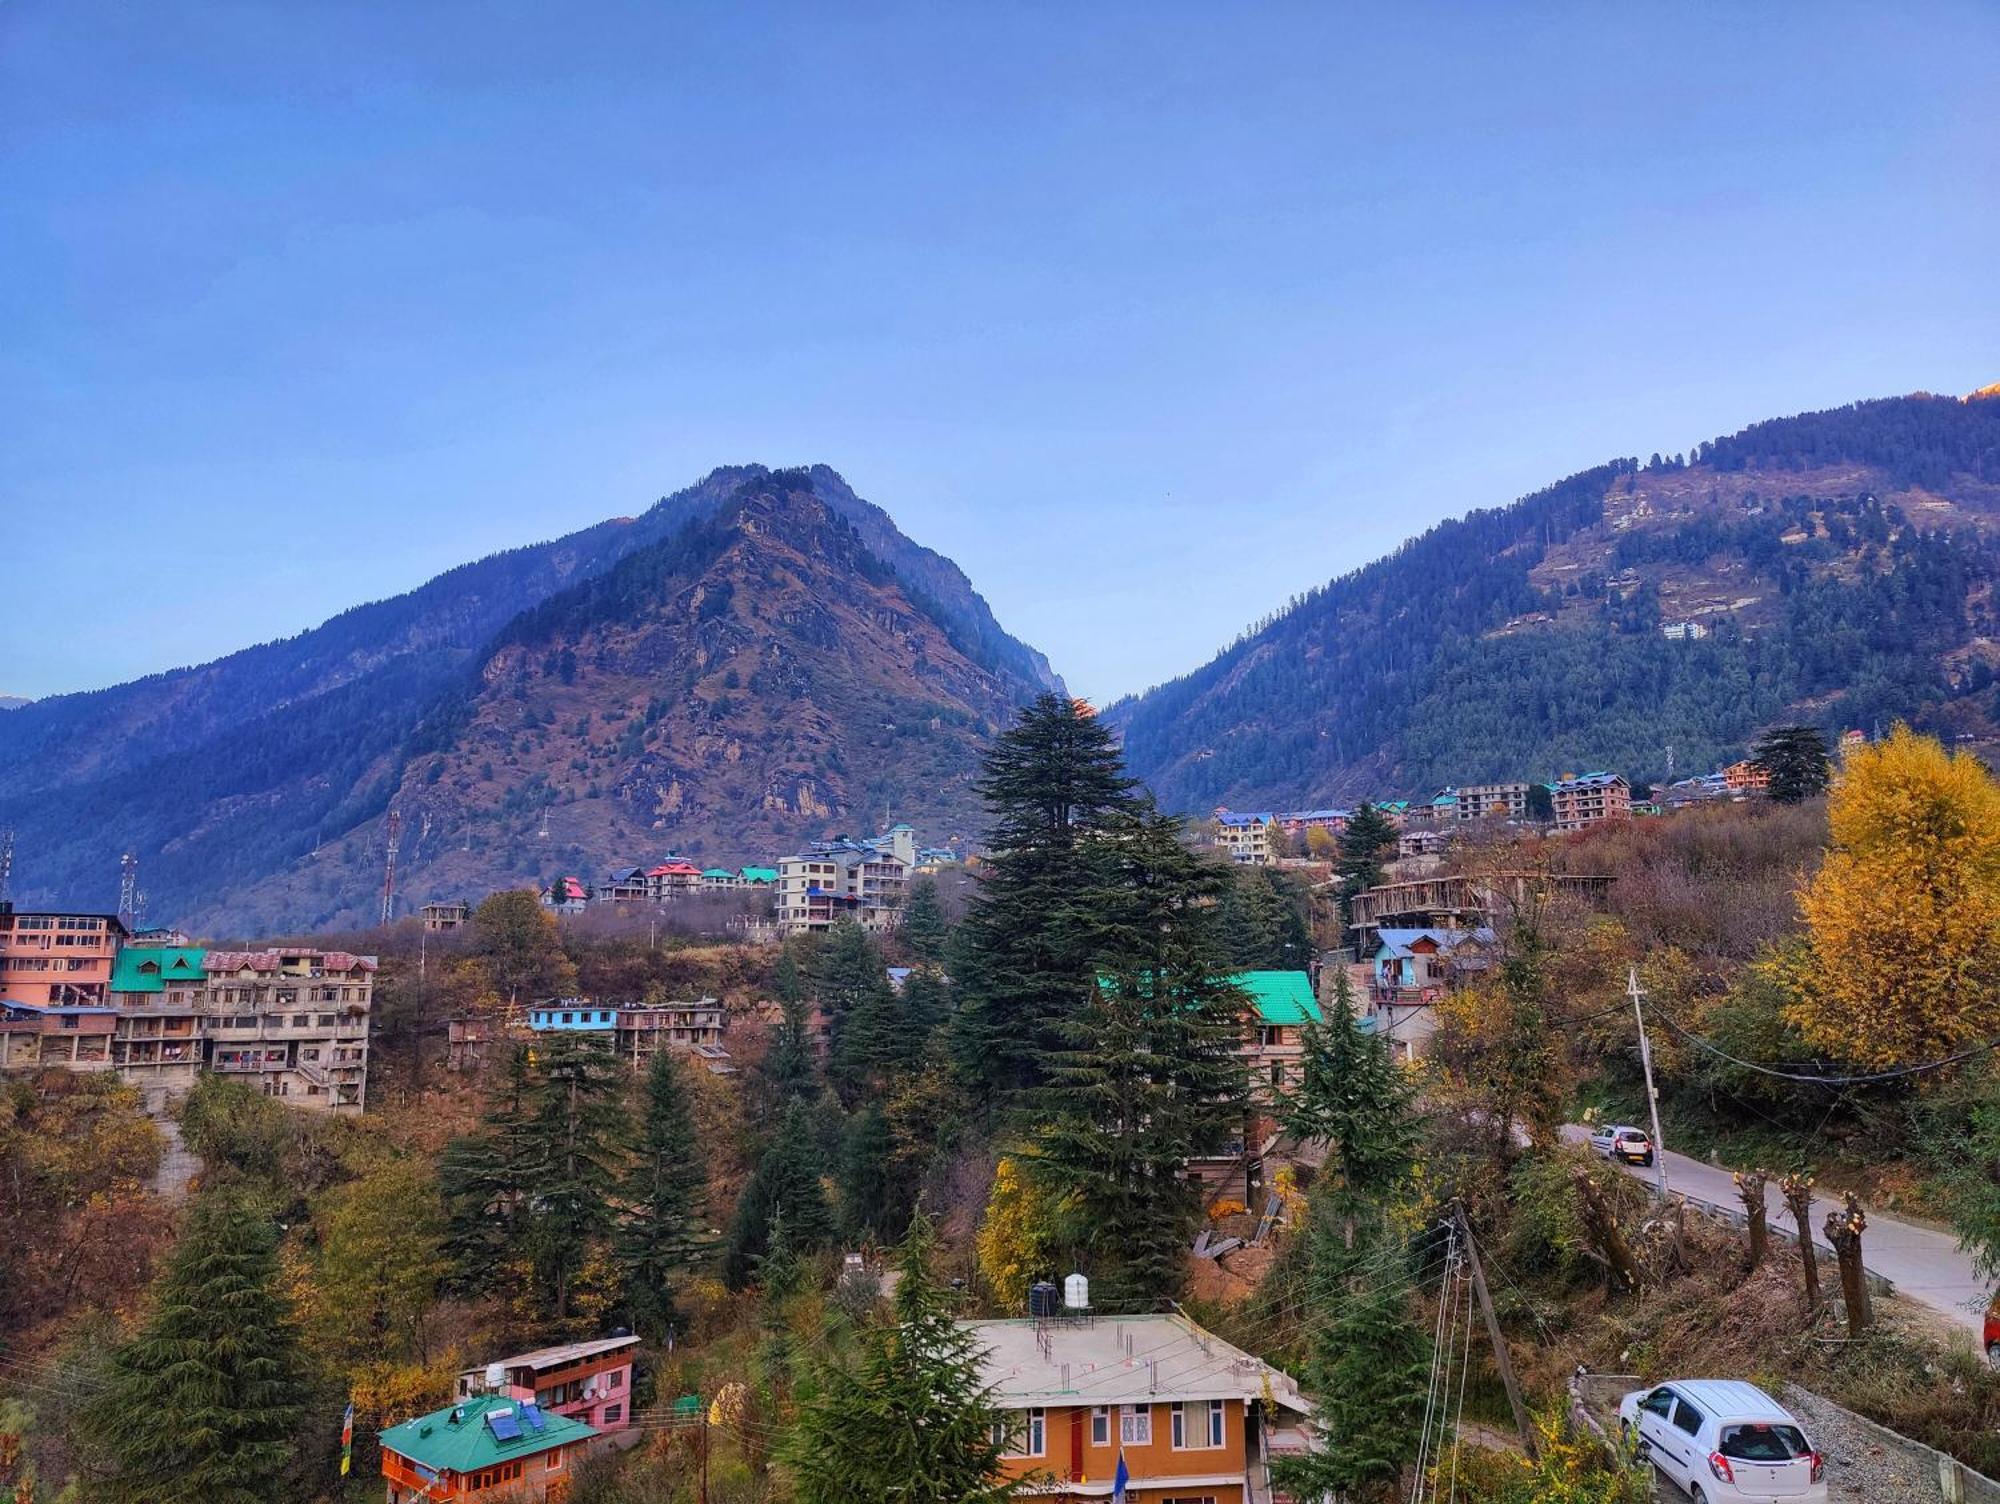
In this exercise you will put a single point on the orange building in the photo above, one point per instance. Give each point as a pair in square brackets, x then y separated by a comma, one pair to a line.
[1196, 1419]
[1747, 777]
[489, 1448]
[57, 958]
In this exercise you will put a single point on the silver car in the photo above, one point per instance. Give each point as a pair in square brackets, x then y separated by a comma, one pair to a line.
[1724, 1442]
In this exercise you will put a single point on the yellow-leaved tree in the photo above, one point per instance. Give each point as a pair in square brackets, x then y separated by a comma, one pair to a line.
[1902, 960]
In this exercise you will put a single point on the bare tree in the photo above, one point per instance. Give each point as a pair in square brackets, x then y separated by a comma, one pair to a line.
[1750, 1190]
[1600, 1225]
[1797, 1191]
[1843, 1231]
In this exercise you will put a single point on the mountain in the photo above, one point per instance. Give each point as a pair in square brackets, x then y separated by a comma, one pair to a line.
[14, 702]
[1840, 564]
[759, 658]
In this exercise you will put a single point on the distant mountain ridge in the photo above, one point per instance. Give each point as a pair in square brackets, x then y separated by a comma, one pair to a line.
[229, 779]
[1839, 566]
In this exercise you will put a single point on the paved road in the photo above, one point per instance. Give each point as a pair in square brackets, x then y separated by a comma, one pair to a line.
[1922, 1263]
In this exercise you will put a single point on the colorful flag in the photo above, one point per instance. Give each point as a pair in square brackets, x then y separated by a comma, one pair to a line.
[1123, 1477]
[347, 1439]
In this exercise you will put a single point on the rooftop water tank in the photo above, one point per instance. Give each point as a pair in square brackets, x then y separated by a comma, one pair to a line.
[1042, 1299]
[1076, 1293]
[496, 1377]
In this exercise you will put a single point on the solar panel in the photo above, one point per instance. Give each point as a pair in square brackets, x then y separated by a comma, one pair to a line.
[503, 1425]
[532, 1414]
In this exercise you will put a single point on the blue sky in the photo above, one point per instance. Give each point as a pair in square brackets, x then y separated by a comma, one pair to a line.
[1150, 316]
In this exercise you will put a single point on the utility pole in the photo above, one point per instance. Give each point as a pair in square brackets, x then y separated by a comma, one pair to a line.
[1635, 992]
[1500, 1359]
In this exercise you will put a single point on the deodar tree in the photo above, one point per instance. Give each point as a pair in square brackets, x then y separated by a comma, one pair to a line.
[1902, 962]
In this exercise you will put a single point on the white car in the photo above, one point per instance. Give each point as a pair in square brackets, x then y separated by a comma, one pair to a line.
[1620, 1141]
[1724, 1442]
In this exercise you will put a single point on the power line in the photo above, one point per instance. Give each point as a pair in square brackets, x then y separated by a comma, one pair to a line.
[1898, 1073]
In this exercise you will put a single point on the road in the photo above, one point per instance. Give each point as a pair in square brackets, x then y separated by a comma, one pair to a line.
[1924, 1264]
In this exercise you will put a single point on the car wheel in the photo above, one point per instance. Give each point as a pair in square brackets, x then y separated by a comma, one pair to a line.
[1993, 1353]
[1695, 1493]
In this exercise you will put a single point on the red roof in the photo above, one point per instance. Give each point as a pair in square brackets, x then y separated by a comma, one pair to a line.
[676, 869]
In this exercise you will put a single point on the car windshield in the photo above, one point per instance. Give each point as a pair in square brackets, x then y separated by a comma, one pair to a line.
[1762, 1443]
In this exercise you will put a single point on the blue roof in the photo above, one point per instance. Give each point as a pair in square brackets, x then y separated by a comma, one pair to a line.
[58, 1010]
[1396, 943]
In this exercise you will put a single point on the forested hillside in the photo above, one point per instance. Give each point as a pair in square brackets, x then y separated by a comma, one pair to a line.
[1839, 566]
[231, 780]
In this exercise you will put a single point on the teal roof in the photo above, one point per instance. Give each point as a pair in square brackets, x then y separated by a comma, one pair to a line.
[149, 968]
[718, 872]
[760, 874]
[1280, 997]
[468, 1444]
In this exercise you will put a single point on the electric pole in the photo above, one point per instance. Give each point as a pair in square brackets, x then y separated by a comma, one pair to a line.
[1635, 992]
[1500, 1359]
[389, 867]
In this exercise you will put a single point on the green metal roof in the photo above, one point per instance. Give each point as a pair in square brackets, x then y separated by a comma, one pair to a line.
[1280, 997]
[149, 968]
[718, 872]
[760, 874]
[468, 1444]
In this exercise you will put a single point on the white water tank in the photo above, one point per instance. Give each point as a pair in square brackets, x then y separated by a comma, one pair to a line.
[1076, 1292]
[496, 1377]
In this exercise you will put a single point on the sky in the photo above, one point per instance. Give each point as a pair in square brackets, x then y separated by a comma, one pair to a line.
[1150, 316]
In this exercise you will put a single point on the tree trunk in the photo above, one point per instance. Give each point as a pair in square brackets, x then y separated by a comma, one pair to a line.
[1600, 1225]
[1797, 1191]
[1750, 1190]
[1843, 1231]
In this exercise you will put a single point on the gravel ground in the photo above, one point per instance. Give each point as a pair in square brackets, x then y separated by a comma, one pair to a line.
[1859, 1469]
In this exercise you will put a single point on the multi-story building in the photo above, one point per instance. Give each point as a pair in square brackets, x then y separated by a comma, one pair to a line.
[1582, 799]
[589, 1382]
[624, 885]
[161, 1039]
[1246, 837]
[1747, 777]
[1490, 801]
[1411, 971]
[1296, 822]
[488, 1447]
[838, 880]
[1193, 1417]
[294, 1019]
[440, 918]
[672, 879]
[56, 1036]
[57, 958]
[566, 895]
[1281, 1006]
[638, 1032]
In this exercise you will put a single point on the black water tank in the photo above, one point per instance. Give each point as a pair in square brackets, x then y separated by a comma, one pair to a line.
[1043, 1300]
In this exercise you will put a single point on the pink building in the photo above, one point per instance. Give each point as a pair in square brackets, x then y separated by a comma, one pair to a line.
[586, 1381]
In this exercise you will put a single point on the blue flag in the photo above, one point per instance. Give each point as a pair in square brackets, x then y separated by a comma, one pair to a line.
[1123, 1477]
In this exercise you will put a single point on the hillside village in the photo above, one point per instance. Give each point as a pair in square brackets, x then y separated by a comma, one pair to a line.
[782, 1138]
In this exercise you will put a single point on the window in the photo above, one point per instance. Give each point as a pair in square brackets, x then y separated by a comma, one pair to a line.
[614, 1378]
[613, 1414]
[555, 1460]
[1022, 1434]
[1135, 1425]
[1216, 1414]
[1100, 1426]
[1687, 1418]
[1660, 1402]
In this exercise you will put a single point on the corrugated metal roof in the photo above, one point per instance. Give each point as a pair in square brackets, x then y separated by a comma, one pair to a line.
[466, 1443]
[1280, 997]
[150, 970]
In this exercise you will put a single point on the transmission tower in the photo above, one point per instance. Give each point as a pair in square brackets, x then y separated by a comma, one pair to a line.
[6, 861]
[389, 868]
[128, 887]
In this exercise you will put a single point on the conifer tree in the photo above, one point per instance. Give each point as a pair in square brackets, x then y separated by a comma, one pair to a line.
[1367, 1366]
[911, 1422]
[579, 1127]
[873, 1040]
[662, 1235]
[1148, 1076]
[788, 1068]
[1351, 1095]
[1368, 841]
[924, 928]
[851, 972]
[1796, 759]
[1050, 784]
[483, 1179]
[787, 1183]
[202, 1405]
[869, 1192]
